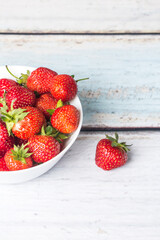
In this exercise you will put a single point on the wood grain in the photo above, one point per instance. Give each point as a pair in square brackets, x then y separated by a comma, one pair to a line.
[123, 90]
[85, 16]
[77, 200]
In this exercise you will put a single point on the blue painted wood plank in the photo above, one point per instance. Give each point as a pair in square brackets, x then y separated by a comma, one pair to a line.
[124, 85]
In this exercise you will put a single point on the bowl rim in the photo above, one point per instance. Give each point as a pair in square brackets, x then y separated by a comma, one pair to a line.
[76, 133]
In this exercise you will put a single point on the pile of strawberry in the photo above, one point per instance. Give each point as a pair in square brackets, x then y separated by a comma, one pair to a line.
[36, 117]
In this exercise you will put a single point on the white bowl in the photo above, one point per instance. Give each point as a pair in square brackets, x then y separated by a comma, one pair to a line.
[33, 172]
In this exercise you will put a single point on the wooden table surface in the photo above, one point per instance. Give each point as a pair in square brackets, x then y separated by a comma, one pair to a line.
[117, 45]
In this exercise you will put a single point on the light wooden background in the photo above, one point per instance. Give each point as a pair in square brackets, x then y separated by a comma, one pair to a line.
[116, 44]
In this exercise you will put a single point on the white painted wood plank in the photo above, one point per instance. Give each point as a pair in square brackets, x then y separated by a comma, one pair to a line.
[124, 71]
[101, 16]
[77, 200]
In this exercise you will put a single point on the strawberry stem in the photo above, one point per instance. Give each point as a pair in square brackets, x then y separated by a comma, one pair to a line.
[11, 73]
[81, 79]
[13, 116]
[20, 153]
[50, 131]
[22, 80]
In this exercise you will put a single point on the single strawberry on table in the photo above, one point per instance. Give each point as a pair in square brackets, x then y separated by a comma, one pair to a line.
[45, 102]
[111, 154]
[64, 87]
[23, 122]
[65, 119]
[43, 147]
[6, 141]
[18, 158]
[3, 166]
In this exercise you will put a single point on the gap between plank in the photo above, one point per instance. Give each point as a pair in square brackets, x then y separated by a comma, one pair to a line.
[108, 129]
[83, 33]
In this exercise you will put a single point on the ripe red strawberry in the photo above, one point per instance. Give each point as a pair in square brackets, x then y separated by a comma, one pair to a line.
[40, 79]
[5, 85]
[65, 119]
[3, 166]
[60, 137]
[111, 154]
[45, 102]
[24, 122]
[43, 147]
[18, 158]
[64, 87]
[6, 141]
[23, 97]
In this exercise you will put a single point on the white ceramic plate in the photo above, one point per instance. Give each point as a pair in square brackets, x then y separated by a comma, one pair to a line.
[33, 172]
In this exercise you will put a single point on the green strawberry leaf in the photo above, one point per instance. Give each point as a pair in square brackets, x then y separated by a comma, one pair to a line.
[59, 104]
[13, 116]
[3, 102]
[115, 143]
[50, 111]
[20, 153]
[62, 136]
[43, 131]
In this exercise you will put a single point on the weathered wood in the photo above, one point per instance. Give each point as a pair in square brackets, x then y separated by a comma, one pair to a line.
[80, 16]
[123, 90]
[77, 200]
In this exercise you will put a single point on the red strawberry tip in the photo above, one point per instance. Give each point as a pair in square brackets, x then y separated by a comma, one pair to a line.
[115, 143]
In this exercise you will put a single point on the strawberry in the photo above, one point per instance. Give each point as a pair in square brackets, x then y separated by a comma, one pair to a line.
[5, 85]
[65, 119]
[18, 158]
[43, 147]
[22, 97]
[23, 122]
[6, 141]
[64, 87]
[3, 166]
[111, 154]
[45, 102]
[40, 80]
